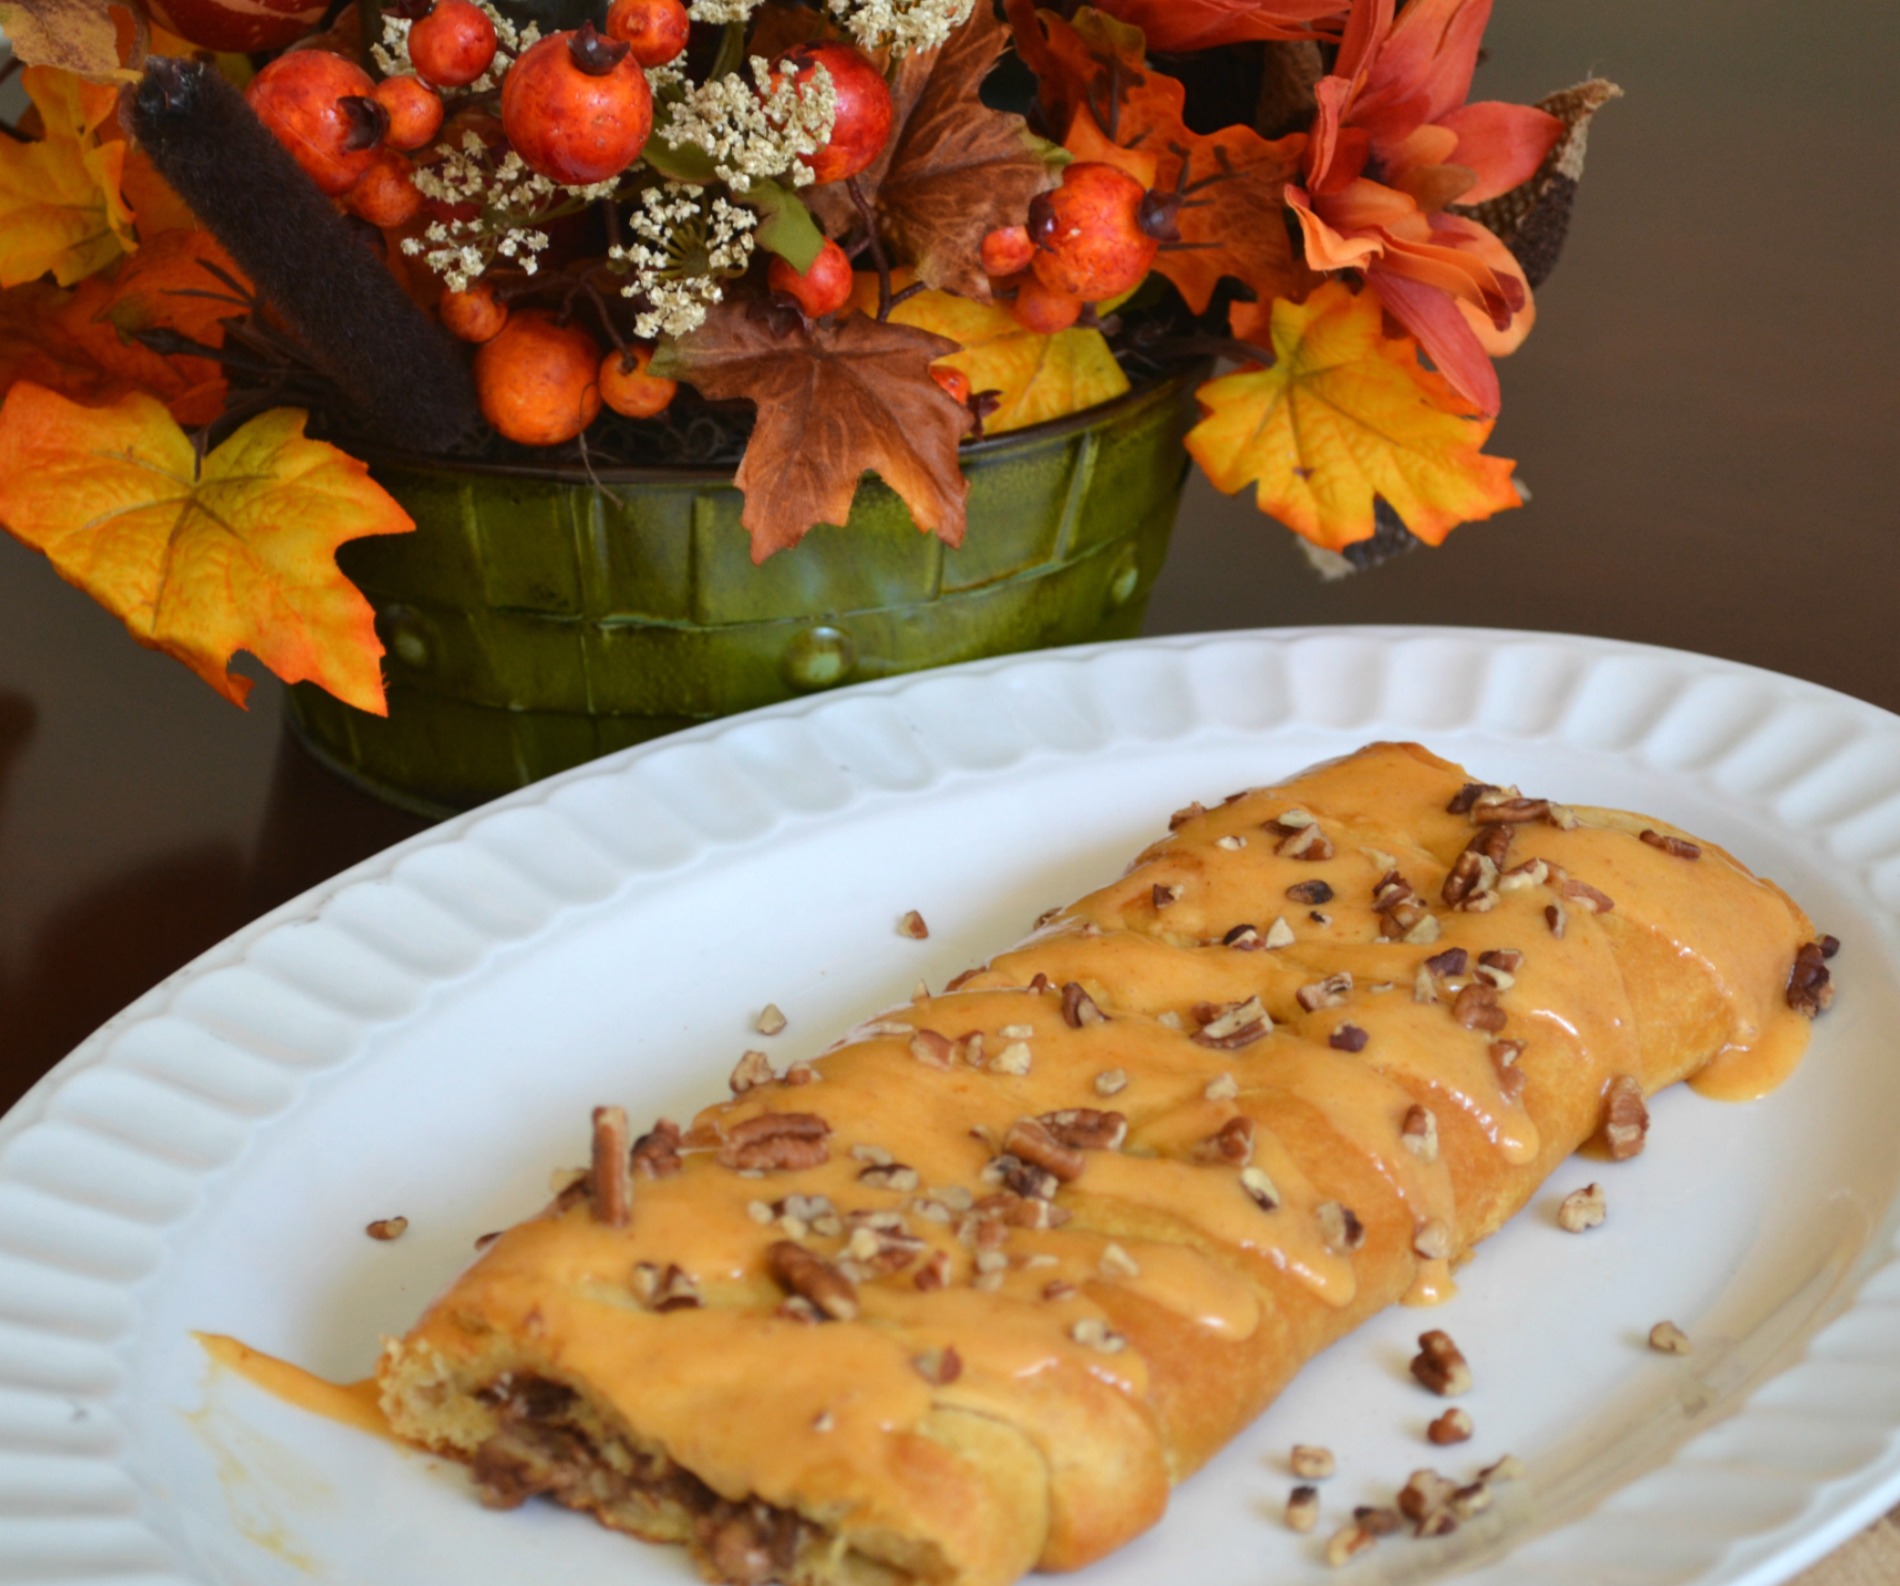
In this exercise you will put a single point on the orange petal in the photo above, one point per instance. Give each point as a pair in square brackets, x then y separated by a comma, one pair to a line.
[1327, 249]
[1503, 143]
[1434, 317]
[1424, 70]
[1484, 245]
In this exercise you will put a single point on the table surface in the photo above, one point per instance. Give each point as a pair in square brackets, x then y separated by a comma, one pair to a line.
[1705, 417]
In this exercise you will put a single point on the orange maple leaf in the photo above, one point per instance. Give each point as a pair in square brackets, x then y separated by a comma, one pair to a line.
[1342, 415]
[1030, 377]
[61, 208]
[202, 557]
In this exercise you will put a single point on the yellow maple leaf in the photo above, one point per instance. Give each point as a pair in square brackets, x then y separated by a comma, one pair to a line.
[1034, 377]
[1342, 415]
[61, 207]
[201, 558]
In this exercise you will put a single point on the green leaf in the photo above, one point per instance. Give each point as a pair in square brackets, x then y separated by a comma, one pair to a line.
[682, 162]
[786, 226]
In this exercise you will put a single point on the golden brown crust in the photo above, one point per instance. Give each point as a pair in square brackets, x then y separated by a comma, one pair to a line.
[1029, 1252]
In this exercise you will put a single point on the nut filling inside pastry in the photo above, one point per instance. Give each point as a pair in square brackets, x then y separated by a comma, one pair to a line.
[967, 1295]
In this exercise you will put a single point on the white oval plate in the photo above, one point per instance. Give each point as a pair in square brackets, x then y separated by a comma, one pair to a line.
[424, 1035]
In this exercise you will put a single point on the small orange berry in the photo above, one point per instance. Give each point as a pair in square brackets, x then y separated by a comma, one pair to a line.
[539, 381]
[656, 29]
[1007, 250]
[415, 111]
[475, 315]
[453, 45]
[955, 382]
[823, 289]
[626, 387]
[384, 195]
[1042, 308]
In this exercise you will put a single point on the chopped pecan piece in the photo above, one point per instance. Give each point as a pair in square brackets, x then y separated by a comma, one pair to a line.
[1310, 1462]
[1111, 1082]
[1279, 933]
[912, 925]
[1440, 1365]
[1625, 1118]
[1348, 1038]
[1161, 895]
[1810, 982]
[1233, 842]
[1335, 991]
[776, 1142]
[771, 1020]
[1079, 1008]
[656, 1154]
[1232, 1142]
[1582, 1209]
[1032, 1141]
[1014, 1059]
[1425, 1491]
[1087, 1128]
[1556, 919]
[752, 1070]
[1022, 1178]
[1059, 1289]
[933, 1049]
[1452, 961]
[1340, 1228]
[1511, 1078]
[1476, 1008]
[1313, 892]
[1182, 816]
[939, 1367]
[1678, 847]
[610, 1181]
[1222, 1087]
[1432, 1240]
[1508, 811]
[1347, 1543]
[1260, 1189]
[387, 1228]
[1118, 1263]
[889, 1176]
[1095, 1333]
[1470, 1500]
[1468, 795]
[1476, 872]
[1244, 938]
[1668, 1339]
[1236, 1025]
[1454, 1426]
[670, 1288]
[1419, 1133]
[1509, 1468]
[812, 1279]
[934, 1273]
[1302, 1509]
[1584, 896]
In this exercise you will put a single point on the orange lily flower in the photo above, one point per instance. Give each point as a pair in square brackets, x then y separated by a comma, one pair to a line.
[1394, 144]
[1199, 24]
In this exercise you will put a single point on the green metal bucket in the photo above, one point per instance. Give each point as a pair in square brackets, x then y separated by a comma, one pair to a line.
[533, 623]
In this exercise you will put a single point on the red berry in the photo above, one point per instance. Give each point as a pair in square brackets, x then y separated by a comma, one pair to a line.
[655, 30]
[415, 111]
[538, 381]
[1007, 250]
[955, 382]
[385, 196]
[241, 26]
[823, 289]
[320, 107]
[576, 107]
[453, 45]
[627, 388]
[863, 123]
[1042, 308]
[476, 315]
[1088, 234]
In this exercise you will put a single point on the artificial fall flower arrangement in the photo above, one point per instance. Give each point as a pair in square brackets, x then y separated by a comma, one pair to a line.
[246, 243]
